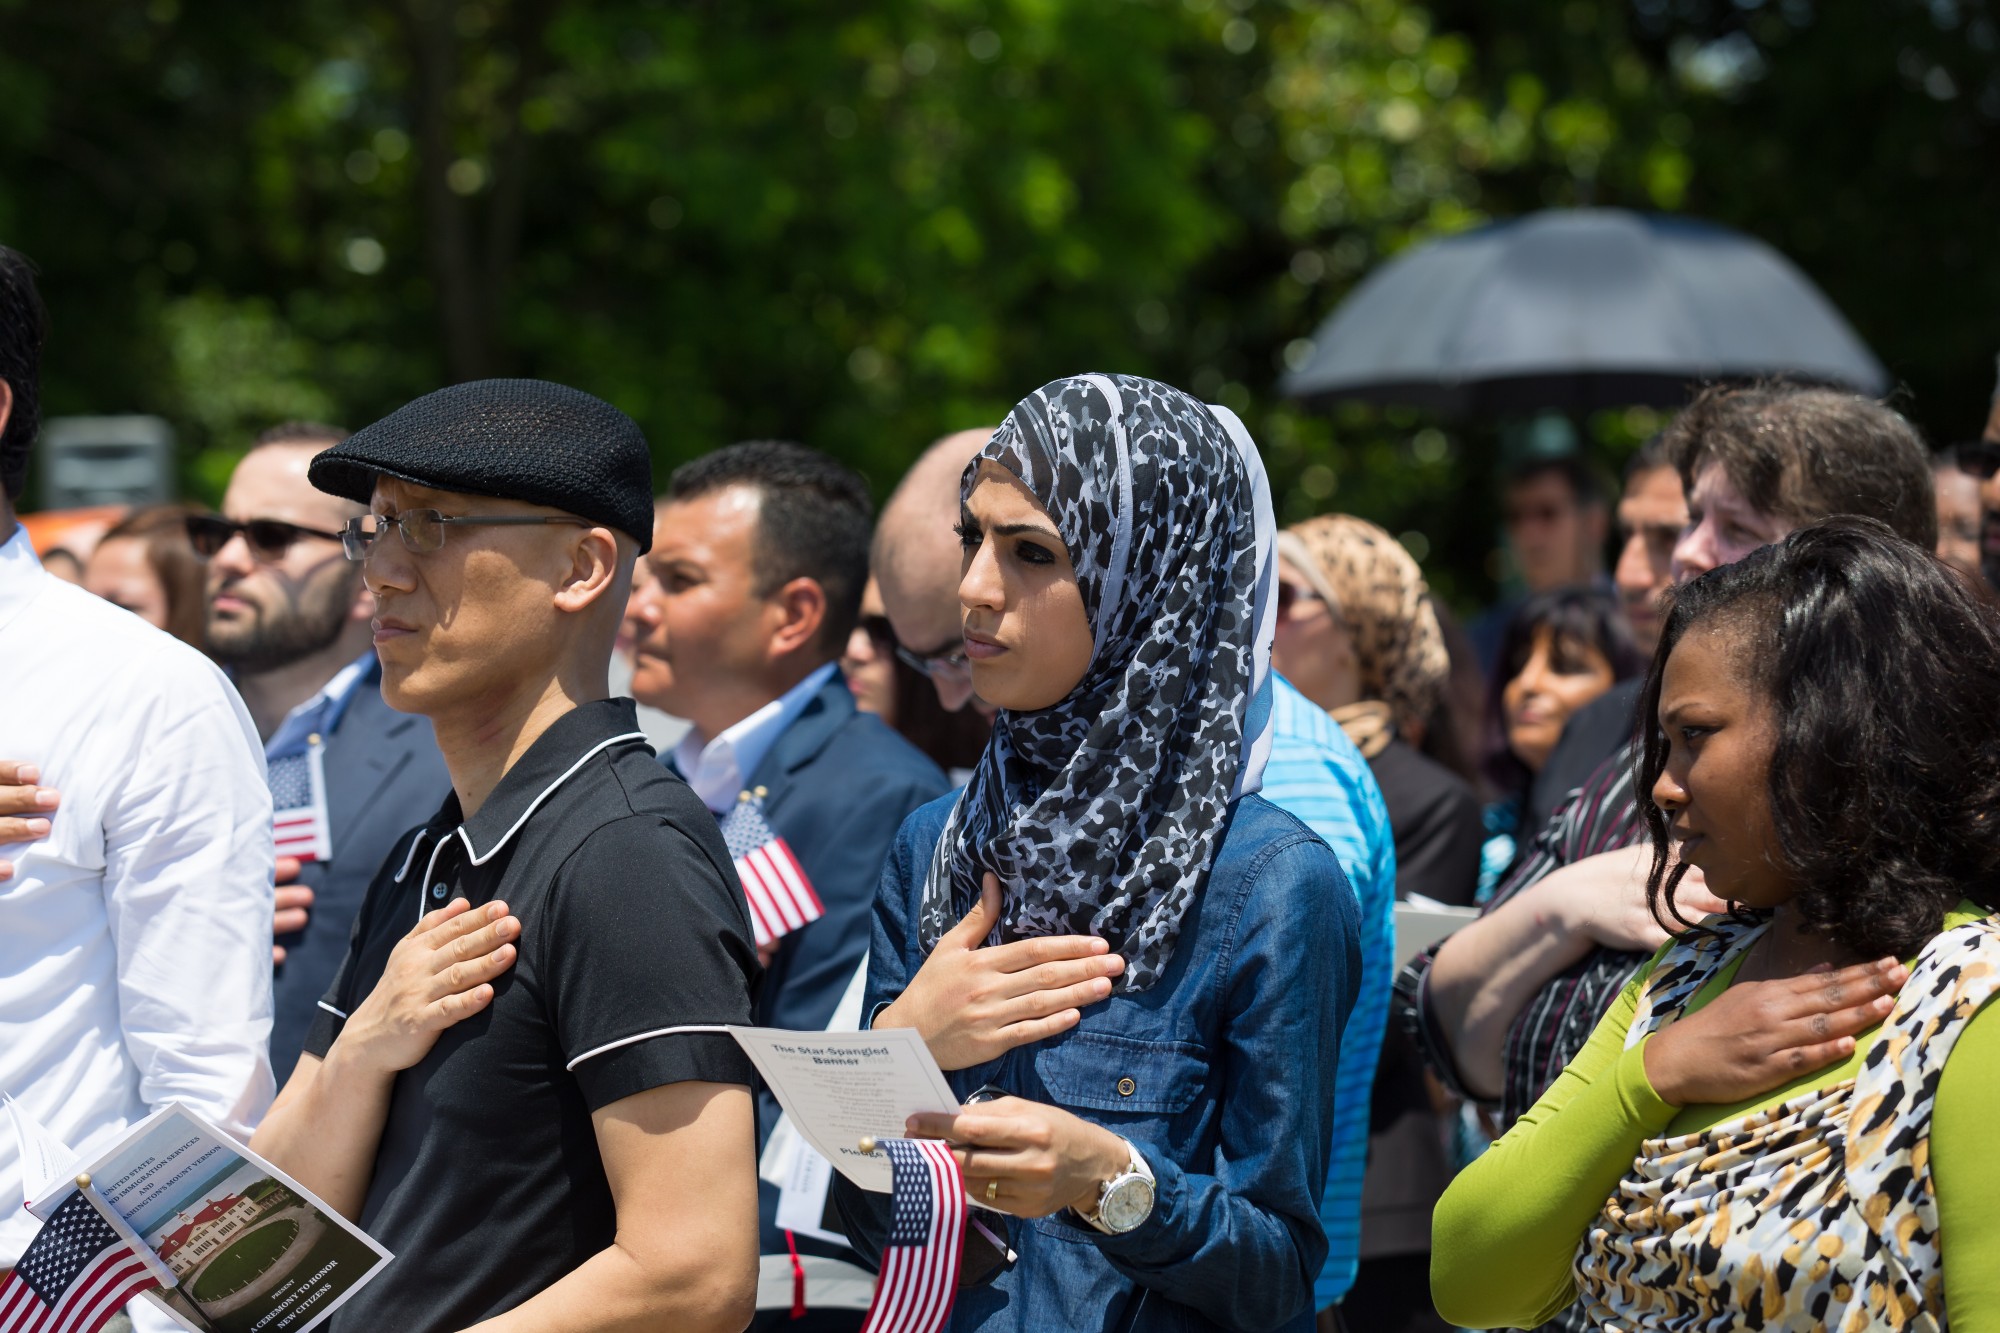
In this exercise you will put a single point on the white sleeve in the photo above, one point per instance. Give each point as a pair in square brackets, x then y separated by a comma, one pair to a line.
[187, 892]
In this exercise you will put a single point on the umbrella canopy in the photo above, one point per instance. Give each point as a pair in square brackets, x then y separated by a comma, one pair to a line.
[1578, 309]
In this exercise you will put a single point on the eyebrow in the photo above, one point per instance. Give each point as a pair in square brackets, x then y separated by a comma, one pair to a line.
[1018, 529]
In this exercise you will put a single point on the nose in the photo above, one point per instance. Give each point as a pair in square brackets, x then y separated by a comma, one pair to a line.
[981, 587]
[232, 561]
[860, 646]
[1634, 573]
[1694, 553]
[388, 566]
[1668, 793]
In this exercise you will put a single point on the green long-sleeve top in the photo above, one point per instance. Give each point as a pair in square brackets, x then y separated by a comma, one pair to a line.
[1506, 1233]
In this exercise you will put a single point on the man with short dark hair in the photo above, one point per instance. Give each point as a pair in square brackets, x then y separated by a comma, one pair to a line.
[516, 1081]
[288, 615]
[135, 965]
[760, 556]
[1552, 510]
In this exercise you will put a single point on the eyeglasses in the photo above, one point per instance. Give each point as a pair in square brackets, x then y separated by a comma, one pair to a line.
[1980, 459]
[949, 663]
[267, 538]
[422, 530]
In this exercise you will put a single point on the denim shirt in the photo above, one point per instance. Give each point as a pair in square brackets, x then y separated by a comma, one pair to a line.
[1221, 1075]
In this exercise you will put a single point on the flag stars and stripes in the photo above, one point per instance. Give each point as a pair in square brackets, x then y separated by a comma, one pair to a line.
[74, 1275]
[926, 1232]
[781, 896]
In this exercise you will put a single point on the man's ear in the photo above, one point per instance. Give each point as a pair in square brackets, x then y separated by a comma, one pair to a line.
[6, 405]
[803, 602]
[593, 570]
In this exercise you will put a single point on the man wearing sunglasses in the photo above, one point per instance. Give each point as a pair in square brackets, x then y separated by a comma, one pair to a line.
[917, 559]
[517, 1080]
[288, 615]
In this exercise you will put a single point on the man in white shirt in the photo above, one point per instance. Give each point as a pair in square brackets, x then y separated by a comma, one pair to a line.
[135, 947]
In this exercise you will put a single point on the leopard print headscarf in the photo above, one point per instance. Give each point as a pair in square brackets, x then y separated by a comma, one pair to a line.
[1378, 591]
[1100, 815]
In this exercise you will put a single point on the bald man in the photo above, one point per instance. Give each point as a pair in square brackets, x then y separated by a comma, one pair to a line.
[916, 561]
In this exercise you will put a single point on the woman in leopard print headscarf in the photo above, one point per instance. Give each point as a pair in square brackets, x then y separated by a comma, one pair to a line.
[1108, 927]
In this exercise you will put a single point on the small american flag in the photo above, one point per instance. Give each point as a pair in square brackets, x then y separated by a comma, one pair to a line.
[926, 1231]
[781, 897]
[299, 824]
[76, 1273]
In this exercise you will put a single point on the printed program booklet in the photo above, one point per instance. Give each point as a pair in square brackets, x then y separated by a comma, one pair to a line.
[252, 1249]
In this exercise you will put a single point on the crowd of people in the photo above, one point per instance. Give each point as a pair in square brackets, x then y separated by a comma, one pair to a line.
[321, 816]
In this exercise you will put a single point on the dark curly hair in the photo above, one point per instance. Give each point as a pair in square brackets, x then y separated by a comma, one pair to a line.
[1881, 668]
[24, 324]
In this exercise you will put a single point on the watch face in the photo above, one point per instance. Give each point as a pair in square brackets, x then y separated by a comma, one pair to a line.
[1127, 1203]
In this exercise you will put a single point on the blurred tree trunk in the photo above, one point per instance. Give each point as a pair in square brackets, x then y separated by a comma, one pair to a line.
[470, 267]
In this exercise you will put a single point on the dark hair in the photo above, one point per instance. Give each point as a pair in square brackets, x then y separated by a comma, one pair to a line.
[1582, 479]
[162, 531]
[1881, 670]
[24, 326]
[300, 432]
[1586, 615]
[1652, 456]
[813, 521]
[1805, 453]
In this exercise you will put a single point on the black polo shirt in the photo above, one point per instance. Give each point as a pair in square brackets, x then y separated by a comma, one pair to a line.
[488, 1186]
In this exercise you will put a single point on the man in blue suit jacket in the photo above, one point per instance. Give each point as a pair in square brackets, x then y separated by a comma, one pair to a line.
[288, 615]
[760, 555]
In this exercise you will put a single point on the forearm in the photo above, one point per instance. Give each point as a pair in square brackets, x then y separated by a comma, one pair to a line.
[703, 1287]
[1505, 1233]
[326, 1126]
[1206, 1247]
[1486, 974]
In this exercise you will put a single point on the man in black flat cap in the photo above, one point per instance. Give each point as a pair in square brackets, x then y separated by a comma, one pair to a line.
[516, 1082]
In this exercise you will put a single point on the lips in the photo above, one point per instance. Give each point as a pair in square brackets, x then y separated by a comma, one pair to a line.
[979, 648]
[388, 628]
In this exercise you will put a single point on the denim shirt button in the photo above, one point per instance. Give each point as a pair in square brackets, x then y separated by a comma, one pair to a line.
[437, 890]
[1126, 1087]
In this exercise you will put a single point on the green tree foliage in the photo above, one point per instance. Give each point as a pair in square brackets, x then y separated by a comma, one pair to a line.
[861, 226]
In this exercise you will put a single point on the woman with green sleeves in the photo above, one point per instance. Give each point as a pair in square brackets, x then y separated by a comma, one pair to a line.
[1786, 1122]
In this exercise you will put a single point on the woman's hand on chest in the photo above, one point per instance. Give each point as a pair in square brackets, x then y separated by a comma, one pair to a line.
[1760, 1035]
[973, 1002]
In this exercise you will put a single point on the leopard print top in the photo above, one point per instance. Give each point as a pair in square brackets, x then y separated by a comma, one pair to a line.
[1815, 1214]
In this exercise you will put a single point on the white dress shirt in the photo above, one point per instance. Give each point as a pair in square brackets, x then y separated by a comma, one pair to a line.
[135, 937]
[717, 770]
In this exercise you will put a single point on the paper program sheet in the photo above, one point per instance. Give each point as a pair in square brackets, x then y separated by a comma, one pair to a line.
[839, 1087]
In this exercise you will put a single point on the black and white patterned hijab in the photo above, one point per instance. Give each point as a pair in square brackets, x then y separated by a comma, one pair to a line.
[1100, 815]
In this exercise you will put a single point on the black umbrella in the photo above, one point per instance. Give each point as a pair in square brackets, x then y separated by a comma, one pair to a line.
[1578, 309]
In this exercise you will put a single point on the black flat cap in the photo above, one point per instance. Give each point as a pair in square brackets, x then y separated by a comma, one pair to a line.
[528, 440]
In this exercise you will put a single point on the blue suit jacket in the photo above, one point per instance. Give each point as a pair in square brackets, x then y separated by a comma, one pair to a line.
[838, 783]
[384, 776]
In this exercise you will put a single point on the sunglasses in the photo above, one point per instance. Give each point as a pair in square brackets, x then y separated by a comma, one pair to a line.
[422, 530]
[1291, 594]
[1980, 459]
[267, 538]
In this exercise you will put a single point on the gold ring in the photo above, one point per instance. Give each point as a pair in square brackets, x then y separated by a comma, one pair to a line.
[992, 1190]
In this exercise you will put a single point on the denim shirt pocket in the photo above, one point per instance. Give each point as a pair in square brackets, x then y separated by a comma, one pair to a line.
[1135, 1076]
